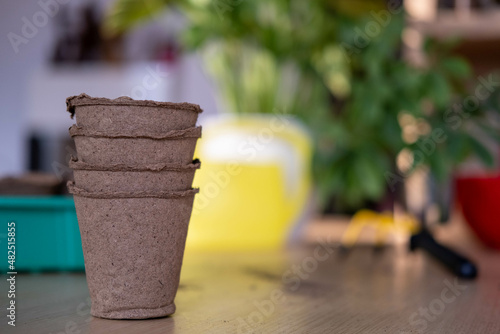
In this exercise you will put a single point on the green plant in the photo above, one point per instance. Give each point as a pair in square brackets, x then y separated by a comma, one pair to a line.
[300, 57]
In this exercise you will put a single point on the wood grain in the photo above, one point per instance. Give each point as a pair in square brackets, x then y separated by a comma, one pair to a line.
[364, 291]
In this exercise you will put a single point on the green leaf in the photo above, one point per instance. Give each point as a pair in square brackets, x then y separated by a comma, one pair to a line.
[456, 67]
[482, 152]
[370, 176]
[438, 89]
[458, 146]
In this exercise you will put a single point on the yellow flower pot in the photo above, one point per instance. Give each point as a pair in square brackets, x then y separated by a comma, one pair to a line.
[254, 180]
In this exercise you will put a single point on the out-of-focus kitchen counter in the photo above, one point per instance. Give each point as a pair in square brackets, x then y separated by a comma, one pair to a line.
[311, 289]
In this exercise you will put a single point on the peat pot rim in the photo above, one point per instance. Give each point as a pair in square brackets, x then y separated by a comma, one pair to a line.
[86, 100]
[76, 164]
[194, 132]
[73, 189]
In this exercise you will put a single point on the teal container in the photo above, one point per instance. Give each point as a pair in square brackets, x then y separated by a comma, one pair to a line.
[47, 234]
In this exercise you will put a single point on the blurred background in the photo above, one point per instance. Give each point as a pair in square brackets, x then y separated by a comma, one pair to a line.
[342, 114]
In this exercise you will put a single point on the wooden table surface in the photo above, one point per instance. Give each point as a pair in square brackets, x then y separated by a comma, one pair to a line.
[314, 289]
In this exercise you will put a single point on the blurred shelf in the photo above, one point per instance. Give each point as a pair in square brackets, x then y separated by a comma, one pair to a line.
[477, 30]
[479, 25]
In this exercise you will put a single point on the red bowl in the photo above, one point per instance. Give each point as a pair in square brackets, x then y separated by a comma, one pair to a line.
[479, 198]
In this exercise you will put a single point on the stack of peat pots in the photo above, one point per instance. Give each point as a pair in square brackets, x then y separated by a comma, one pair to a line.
[133, 176]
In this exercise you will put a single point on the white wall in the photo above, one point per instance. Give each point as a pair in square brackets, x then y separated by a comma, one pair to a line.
[15, 73]
[32, 94]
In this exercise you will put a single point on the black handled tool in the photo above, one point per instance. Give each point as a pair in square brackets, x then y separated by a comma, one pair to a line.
[458, 264]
